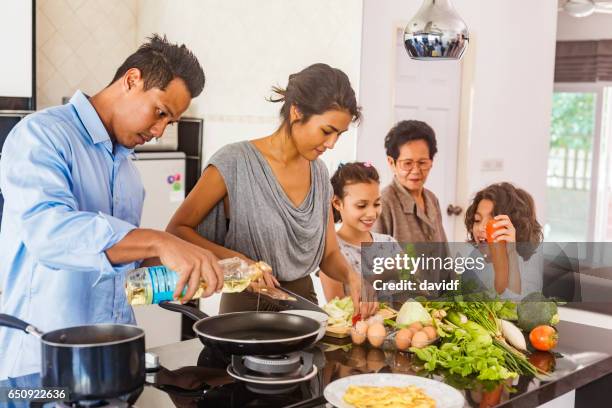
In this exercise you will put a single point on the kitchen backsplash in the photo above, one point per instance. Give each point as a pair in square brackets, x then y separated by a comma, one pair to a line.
[80, 44]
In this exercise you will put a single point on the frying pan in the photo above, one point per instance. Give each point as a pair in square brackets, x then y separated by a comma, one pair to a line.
[251, 333]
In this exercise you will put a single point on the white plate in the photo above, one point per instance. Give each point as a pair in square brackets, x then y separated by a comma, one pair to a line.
[444, 395]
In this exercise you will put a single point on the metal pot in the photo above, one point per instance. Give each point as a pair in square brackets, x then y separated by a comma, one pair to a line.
[93, 362]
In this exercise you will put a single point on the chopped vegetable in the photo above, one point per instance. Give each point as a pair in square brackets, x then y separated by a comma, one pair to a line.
[411, 312]
[340, 311]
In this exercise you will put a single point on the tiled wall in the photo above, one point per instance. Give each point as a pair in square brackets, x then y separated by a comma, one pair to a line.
[245, 48]
[80, 44]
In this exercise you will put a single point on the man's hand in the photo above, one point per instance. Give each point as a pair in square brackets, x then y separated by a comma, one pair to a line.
[193, 265]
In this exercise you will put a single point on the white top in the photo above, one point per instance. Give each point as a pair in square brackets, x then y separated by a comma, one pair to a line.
[380, 247]
[530, 271]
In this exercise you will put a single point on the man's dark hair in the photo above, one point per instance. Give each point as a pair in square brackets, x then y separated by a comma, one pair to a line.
[409, 131]
[160, 61]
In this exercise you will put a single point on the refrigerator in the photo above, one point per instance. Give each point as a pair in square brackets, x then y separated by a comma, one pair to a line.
[163, 177]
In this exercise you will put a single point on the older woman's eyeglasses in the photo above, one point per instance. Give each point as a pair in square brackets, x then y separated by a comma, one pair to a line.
[408, 164]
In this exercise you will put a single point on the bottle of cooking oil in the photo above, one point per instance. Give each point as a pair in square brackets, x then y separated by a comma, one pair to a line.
[154, 284]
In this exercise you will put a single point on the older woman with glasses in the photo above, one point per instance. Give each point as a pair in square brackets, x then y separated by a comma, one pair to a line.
[410, 212]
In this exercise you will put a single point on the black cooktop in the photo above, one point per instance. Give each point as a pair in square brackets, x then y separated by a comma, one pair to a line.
[191, 376]
[209, 384]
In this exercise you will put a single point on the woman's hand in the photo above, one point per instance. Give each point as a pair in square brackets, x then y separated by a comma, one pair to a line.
[267, 278]
[363, 296]
[504, 230]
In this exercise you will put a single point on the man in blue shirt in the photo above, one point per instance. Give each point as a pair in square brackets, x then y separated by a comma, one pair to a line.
[73, 202]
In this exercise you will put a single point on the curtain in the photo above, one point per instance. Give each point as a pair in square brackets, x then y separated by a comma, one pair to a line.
[583, 61]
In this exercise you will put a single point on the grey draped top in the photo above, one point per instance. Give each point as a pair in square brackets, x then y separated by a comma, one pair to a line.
[263, 222]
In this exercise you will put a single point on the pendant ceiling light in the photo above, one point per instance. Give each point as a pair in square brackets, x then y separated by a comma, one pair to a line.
[436, 32]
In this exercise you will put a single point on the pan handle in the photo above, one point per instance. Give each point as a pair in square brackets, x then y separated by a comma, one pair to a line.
[192, 312]
[15, 323]
[173, 390]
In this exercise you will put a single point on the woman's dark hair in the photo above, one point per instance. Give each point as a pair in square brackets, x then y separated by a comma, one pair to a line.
[160, 61]
[517, 204]
[409, 131]
[314, 91]
[351, 173]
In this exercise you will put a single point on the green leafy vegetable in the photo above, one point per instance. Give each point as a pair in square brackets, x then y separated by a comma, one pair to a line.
[535, 310]
[412, 311]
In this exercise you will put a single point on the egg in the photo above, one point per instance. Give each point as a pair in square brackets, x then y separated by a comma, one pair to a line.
[416, 326]
[420, 339]
[376, 334]
[403, 339]
[361, 327]
[431, 332]
[357, 337]
[375, 319]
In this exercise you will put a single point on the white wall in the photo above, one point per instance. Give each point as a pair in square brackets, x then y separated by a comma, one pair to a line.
[511, 90]
[80, 44]
[16, 42]
[246, 47]
[597, 26]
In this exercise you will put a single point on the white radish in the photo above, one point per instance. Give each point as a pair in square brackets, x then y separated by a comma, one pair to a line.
[513, 335]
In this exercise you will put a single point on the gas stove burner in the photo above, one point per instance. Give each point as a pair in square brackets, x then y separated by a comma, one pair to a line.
[123, 401]
[273, 374]
[267, 385]
[272, 365]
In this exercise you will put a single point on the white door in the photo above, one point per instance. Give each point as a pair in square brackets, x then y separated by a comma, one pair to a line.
[430, 91]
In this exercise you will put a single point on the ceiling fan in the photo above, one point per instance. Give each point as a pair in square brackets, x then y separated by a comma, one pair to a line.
[584, 8]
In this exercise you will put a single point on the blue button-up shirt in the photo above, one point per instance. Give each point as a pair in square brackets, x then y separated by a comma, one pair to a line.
[69, 195]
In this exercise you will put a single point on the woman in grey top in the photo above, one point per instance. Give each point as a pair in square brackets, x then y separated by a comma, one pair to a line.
[269, 199]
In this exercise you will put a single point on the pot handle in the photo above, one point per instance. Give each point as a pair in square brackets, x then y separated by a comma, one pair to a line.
[192, 312]
[15, 323]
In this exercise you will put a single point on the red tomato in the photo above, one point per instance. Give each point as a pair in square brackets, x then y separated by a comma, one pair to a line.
[543, 338]
[490, 230]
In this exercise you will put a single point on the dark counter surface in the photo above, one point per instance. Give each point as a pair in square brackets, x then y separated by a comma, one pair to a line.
[586, 350]
[585, 366]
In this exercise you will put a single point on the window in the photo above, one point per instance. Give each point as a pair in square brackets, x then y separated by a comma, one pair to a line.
[579, 181]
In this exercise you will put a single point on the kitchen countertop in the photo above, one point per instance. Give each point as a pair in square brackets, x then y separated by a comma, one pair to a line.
[586, 367]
